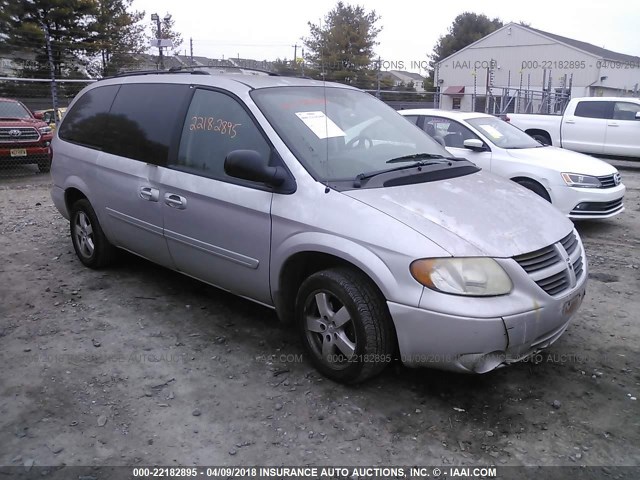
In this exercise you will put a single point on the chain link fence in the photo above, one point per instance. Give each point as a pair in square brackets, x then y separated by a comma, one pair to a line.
[25, 136]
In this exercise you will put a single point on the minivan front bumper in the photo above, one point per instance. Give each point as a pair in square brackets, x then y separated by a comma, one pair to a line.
[479, 345]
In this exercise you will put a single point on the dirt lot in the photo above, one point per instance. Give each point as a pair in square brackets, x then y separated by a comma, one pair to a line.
[140, 365]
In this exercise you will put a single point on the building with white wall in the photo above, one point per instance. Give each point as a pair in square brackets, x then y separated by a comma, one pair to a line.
[400, 78]
[519, 68]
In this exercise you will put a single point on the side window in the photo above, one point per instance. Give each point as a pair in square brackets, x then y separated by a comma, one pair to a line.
[412, 118]
[86, 122]
[449, 132]
[216, 124]
[625, 110]
[590, 109]
[143, 120]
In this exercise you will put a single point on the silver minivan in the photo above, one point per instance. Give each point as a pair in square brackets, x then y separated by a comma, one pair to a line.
[321, 202]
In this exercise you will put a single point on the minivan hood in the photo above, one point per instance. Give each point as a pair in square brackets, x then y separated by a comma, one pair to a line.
[473, 215]
[563, 160]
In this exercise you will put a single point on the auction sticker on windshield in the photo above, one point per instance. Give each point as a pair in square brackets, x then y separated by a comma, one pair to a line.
[492, 131]
[320, 124]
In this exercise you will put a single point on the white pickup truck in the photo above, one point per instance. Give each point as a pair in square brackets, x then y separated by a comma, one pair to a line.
[597, 125]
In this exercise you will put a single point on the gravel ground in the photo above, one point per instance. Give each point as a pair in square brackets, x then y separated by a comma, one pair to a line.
[140, 365]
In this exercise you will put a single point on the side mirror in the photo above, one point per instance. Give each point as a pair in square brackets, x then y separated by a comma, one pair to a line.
[637, 115]
[38, 115]
[474, 144]
[249, 165]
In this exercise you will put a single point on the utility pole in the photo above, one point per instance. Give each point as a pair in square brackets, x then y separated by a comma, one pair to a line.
[295, 53]
[378, 78]
[156, 17]
[54, 96]
[191, 47]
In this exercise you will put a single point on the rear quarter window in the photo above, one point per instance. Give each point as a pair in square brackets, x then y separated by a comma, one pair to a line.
[86, 121]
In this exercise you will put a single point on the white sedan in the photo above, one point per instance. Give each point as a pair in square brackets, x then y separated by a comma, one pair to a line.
[580, 186]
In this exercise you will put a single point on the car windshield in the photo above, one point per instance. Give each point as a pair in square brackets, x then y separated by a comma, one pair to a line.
[503, 134]
[13, 110]
[340, 133]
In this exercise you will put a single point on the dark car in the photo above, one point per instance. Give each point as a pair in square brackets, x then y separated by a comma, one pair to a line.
[24, 139]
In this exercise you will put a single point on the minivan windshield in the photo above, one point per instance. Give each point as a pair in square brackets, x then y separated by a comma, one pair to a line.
[503, 134]
[341, 133]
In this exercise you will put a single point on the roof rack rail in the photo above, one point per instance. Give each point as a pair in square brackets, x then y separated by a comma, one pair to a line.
[156, 72]
[187, 68]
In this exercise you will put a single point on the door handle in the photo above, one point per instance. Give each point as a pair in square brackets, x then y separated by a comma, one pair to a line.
[570, 121]
[148, 193]
[612, 124]
[175, 201]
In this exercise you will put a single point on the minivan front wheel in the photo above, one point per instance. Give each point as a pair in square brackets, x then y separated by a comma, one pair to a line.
[91, 245]
[344, 325]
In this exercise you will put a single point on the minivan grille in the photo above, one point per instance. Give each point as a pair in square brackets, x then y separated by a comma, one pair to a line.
[556, 268]
[538, 260]
[18, 134]
[555, 283]
[570, 243]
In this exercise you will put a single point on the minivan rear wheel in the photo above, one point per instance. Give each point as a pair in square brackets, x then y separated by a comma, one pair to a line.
[91, 245]
[344, 324]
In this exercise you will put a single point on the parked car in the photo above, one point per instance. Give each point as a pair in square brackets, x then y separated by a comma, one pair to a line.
[23, 138]
[580, 186]
[48, 116]
[319, 201]
[596, 125]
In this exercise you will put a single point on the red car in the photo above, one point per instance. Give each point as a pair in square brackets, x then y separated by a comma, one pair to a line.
[24, 139]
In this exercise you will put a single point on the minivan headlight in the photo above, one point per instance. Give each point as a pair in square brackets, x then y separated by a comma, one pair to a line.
[477, 277]
[577, 180]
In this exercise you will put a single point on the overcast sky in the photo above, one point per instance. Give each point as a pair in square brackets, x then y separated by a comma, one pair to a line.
[269, 29]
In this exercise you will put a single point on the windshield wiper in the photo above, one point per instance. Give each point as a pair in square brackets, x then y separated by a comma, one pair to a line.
[415, 156]
[357, 182]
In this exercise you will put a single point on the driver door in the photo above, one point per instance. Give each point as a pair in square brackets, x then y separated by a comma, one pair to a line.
[218, 228]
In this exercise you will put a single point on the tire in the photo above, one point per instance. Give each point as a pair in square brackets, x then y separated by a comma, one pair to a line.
[535, 187]
[344, 325]
[542, 138]
[91, 245]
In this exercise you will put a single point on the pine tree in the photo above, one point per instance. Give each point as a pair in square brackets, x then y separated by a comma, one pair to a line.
[68, 23]
[342, 47]
[118, 31]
